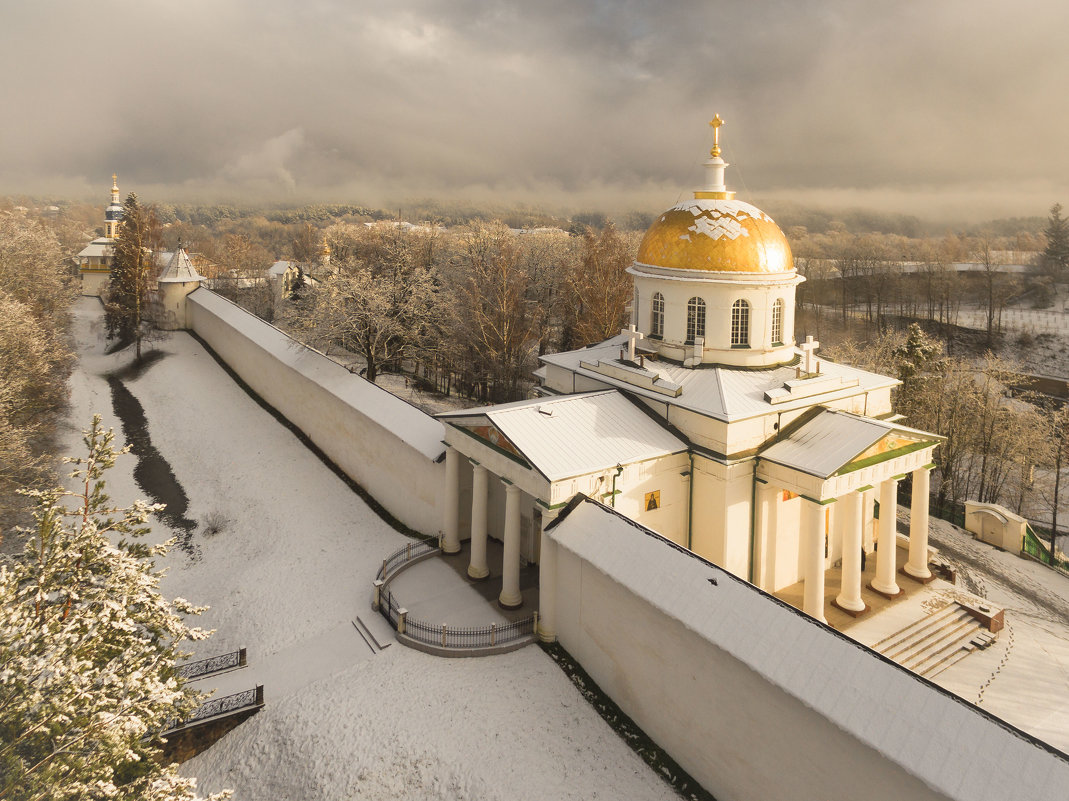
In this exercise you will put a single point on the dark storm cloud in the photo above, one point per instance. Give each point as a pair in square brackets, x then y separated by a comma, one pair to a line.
[910, 105]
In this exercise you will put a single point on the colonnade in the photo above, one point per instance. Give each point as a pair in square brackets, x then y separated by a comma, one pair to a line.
[510, 596]
[850, 518]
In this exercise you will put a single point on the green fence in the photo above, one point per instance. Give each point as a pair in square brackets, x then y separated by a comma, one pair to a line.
[1040, 551]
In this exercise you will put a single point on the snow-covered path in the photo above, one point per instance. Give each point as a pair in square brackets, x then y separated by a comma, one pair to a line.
[289, 567]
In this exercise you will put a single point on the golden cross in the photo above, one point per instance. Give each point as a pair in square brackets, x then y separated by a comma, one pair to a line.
[716, 123]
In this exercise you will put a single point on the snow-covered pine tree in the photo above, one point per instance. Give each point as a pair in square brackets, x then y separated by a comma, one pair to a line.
[88, 648]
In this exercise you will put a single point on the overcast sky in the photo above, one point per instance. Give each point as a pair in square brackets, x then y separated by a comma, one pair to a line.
[948, 107]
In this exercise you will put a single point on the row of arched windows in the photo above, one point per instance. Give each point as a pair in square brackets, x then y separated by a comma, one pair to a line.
[740, 320]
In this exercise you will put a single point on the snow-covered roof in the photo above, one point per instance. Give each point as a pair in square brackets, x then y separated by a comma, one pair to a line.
[725, 393]
[832, 439]
[179, 269]
[933, 734]
[575, 435]
[279, 268]
[99, 247]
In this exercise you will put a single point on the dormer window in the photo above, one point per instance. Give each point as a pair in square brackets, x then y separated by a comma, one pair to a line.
[695, 319]
[657, 315]
[740, 324]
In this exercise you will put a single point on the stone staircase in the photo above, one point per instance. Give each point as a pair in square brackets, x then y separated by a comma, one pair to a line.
[934, 643]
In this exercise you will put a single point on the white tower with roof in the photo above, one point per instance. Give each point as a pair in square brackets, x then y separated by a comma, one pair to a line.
[174, 284]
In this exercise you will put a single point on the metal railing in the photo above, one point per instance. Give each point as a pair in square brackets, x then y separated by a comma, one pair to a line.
[468, 637]
[212, 665]
[226, 705]
[442, 635]
[399, 558]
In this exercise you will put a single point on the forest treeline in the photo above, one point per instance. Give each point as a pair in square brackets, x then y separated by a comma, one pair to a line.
[36, 291]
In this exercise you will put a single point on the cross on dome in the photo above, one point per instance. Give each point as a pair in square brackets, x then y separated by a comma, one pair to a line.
[715, 123]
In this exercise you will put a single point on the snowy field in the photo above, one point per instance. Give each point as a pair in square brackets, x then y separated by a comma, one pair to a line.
[288, 569]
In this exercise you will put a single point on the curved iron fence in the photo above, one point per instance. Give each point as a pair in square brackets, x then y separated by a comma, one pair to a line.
[402, 556]
[442, 635]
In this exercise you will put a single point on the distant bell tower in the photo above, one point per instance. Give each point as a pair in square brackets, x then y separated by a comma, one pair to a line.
[113, 214]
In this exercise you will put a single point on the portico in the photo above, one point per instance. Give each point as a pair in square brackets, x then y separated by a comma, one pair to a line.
[804, 477]
[524, 461]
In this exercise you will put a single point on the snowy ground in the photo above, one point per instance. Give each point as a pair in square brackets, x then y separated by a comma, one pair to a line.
[289, 569]
[1024, 677]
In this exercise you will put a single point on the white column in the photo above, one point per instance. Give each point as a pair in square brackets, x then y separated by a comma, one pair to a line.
[764, 572]
[511, 597]
[849, 596]
[867, 519]
[547, 583]
[813, 560]
[451, 507]
[917, 565]
[477, 568]
[887, 549]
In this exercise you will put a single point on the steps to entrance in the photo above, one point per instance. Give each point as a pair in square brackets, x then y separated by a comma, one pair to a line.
[377, 633]
[931, 645]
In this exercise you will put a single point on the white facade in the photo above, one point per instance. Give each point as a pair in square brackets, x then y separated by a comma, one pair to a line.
[664, 298]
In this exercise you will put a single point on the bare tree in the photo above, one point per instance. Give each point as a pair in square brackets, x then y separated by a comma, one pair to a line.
[378, 304]
[600, 286]
[490, 324]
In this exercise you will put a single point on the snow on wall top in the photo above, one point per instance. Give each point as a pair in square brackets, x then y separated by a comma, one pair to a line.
[948, 743]
[406, 422]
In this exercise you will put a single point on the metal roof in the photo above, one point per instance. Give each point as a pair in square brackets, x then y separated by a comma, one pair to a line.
[725, 393]
[180, 269]
[831, 440]
[574, 435]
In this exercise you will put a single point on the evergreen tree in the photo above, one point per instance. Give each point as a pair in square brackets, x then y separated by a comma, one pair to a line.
[915, 354]
[1056, 254]
[88, 648]
[131, 273]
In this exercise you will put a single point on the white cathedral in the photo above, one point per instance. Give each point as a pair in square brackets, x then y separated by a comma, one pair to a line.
[704, 421]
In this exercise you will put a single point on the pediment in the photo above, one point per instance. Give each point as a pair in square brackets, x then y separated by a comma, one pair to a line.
[890, 446]
[487, 432]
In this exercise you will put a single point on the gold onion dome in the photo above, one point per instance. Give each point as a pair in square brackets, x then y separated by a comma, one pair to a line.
[716, 233]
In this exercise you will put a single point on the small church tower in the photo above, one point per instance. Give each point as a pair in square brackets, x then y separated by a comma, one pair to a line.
[113, 213]
[94, 261]
[176, 282]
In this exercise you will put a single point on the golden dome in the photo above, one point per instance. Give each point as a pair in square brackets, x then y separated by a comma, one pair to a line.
[716, 235]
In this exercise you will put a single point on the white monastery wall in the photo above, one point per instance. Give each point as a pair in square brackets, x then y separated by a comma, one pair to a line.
[389, 447]
[93, 283]
[757, 701]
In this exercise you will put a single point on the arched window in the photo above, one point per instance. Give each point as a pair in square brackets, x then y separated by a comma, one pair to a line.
[740, 324]
[657, 315]
[777, 322]
[695, 319]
